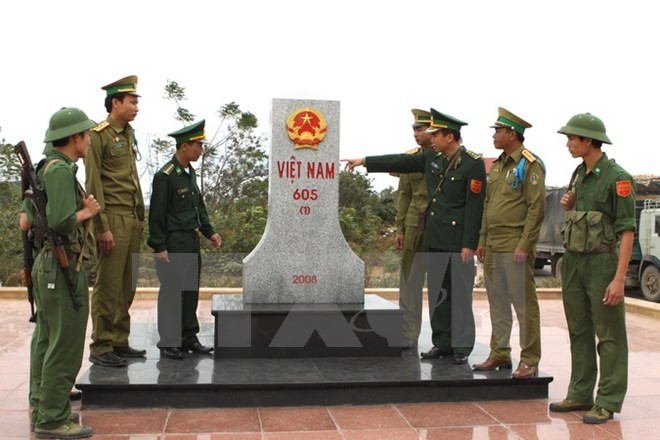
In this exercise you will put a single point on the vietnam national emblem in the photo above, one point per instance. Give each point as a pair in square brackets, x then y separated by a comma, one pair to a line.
[306, 127]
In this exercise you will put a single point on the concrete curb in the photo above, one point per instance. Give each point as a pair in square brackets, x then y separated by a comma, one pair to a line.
[633, 305]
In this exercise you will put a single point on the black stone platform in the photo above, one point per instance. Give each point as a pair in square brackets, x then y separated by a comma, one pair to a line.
[372, 328]
[202, 381]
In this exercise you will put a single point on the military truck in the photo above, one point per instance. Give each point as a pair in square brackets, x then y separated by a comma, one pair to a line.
[644, 268]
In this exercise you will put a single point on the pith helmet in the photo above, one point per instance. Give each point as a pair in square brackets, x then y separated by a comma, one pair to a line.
[586, 125]
[66, 122]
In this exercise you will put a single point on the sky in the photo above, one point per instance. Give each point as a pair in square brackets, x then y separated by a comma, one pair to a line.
[544, 61]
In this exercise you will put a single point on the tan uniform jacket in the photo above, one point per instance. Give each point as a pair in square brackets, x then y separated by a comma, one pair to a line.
[513, 216]
[412, 197]
[111, 173]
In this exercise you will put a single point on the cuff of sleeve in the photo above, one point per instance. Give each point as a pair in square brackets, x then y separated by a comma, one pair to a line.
[524, 245]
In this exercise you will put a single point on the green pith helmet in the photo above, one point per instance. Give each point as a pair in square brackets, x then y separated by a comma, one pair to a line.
[66, 122]
[586, 125]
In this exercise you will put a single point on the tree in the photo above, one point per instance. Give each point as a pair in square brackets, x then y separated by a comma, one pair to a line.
[11, 250]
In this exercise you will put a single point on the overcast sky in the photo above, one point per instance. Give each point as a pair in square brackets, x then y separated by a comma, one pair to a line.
[544, 61]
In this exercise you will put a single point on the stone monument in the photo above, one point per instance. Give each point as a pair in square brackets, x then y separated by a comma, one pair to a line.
[303, 256]
[303, 287]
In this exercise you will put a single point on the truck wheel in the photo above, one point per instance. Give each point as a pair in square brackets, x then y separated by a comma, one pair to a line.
[650, 283]
[555, 265]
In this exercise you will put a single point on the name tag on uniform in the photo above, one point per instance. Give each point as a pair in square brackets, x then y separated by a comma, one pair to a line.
[181, 190]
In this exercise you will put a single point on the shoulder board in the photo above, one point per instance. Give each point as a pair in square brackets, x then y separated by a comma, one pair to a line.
[414, 151]
[472, 154]
[167, 169]
[528, 155]
[102, 126]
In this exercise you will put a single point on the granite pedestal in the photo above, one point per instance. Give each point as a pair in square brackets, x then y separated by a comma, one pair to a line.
[372, 328]
[200, 381]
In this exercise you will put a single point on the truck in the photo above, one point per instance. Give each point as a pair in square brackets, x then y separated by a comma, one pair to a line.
[644, 267]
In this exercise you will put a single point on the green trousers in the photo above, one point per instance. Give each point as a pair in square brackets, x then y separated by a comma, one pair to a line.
[450, 302]
[509, 283]
[114, 289]
[178, 295]
[58, 343]
[411, 281]
[595, 330]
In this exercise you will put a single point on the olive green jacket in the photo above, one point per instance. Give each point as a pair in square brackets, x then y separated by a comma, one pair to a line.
[455, 211]
[609, 189]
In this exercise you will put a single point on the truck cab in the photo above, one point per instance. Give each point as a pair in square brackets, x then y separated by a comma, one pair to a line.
[646, 253]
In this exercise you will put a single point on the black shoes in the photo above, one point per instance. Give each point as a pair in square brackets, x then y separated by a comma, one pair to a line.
[460, 359]
[171, 353]
[108, 359]
[198, 348]
[435, 353]
[129, 352]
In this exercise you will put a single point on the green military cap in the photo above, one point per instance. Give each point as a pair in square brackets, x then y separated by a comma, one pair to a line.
[422, 117]
[509, 120]
[66, 122]
[441, 120]
[127, 84]
[191, 133]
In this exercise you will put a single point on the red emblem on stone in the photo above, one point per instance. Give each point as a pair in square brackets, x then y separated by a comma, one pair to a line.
[306, 127]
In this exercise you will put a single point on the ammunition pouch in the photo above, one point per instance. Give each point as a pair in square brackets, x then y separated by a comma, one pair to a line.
[588, 232]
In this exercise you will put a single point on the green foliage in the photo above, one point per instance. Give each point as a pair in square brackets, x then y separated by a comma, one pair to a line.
[11, 249]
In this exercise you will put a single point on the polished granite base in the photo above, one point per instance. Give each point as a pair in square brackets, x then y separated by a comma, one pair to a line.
[372, 328]
[202, 381]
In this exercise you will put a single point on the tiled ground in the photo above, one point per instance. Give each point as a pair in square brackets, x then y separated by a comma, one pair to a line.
[477, 420]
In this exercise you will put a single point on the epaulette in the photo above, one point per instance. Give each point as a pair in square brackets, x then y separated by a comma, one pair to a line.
[102, 126]
[414, 151]
[167, 169]
[528, 155]
[473, 155]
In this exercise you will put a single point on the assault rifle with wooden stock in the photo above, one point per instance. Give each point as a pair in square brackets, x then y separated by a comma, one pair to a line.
[33, 189]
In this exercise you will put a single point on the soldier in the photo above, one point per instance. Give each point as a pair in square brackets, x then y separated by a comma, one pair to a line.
[177, 214]
[513, 213]
[59, 324]
[412, 202]
[455, 180]
[598, 238]
[111, 174]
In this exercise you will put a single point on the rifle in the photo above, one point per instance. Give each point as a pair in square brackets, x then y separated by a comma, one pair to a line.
[38, 196]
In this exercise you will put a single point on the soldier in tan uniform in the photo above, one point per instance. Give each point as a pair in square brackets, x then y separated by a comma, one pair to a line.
[113, 177]
[513, 213]
[412, 202]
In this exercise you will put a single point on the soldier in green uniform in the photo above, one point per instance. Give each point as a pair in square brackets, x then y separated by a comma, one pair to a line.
[412, 202]
[177, 215]
[111, 174]
[513, 214]
[456, 184]
[598, 239]
[59, 324]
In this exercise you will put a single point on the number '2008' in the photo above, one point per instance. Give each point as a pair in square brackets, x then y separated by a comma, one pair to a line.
[304, 279]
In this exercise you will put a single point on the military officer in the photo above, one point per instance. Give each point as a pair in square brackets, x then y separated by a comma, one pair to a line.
[513, 214]
[60, 324]
[598, 238]
[456, 184]
[177, 215]
[111, 174]
[411, 204]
